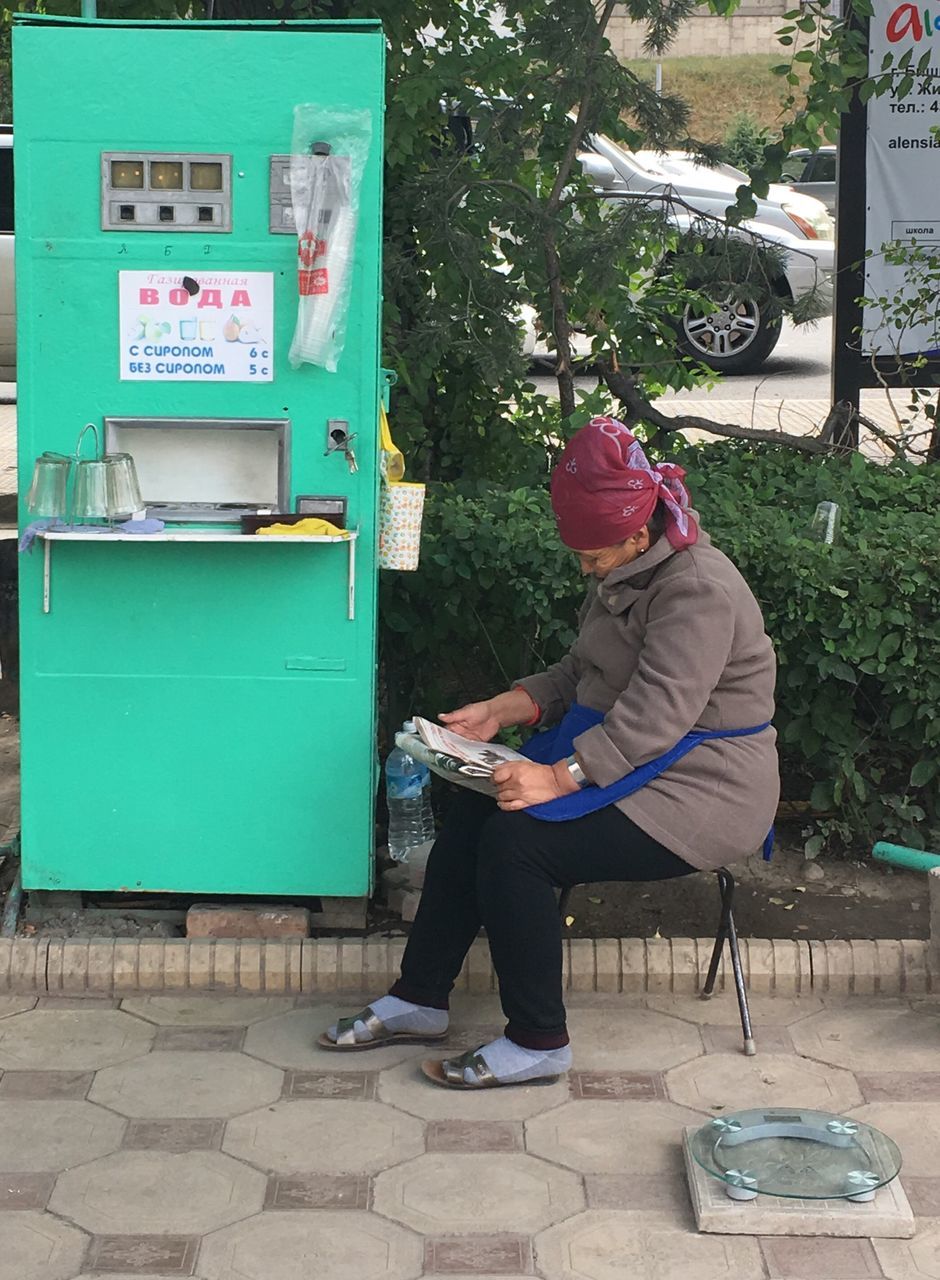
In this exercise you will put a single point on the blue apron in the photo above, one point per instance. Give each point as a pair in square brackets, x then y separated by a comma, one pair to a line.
[557, 743]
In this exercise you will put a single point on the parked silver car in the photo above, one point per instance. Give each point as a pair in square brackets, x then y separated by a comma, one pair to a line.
[738, 335]
[813, 173]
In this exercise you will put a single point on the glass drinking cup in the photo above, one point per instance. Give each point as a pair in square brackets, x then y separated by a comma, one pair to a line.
[90, 495]
[123, 487]
[47, 492]
[826, 522]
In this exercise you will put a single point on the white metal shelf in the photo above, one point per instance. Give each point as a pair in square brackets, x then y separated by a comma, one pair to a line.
[48, 537]
[193, 535]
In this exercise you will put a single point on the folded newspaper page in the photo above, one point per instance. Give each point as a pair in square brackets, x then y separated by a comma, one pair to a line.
[461, 760]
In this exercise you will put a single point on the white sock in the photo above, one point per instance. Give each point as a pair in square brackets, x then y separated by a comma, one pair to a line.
[401, 1015]
[511, 1063]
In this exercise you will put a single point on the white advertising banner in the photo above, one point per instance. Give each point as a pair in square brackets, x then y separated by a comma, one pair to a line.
[209, 326]
[903, 169]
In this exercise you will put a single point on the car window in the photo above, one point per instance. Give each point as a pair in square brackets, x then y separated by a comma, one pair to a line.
[825, 168]
[793, 168]
[6, 188]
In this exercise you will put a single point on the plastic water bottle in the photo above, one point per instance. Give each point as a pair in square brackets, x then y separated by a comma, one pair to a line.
[408, 790]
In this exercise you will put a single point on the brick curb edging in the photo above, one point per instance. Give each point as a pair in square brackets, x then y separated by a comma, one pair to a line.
[109, 966]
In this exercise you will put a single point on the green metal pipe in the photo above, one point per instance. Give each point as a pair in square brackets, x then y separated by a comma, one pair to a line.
[89, 8]
[901, 856]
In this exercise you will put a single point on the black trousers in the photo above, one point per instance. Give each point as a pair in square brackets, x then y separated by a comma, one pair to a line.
[500, 870]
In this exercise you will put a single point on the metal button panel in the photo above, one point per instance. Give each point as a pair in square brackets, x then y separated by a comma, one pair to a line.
[165, 191]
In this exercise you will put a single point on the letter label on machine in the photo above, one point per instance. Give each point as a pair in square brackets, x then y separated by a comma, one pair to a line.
[204, 327]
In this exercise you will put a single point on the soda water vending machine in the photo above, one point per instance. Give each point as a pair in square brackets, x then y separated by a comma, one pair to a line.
[198, 699]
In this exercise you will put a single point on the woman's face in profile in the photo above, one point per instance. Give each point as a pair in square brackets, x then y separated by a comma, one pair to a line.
[600, 563]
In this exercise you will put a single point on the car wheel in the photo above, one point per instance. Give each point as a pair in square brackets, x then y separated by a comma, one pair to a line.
[737, 338]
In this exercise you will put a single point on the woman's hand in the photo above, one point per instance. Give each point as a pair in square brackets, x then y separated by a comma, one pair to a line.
[521, 784]
[477, 721]
[481, 721]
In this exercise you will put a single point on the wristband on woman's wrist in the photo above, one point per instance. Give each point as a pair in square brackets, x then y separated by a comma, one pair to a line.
[537, 711]
[578, 776]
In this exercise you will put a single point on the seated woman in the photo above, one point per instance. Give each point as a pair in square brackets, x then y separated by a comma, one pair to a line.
[662, 763]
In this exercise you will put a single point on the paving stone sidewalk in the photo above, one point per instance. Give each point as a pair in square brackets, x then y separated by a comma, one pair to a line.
[208, 1137]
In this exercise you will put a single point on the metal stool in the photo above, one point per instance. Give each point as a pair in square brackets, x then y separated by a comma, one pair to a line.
[726, 930]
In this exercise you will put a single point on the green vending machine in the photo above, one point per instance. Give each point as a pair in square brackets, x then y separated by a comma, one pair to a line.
[198, 699]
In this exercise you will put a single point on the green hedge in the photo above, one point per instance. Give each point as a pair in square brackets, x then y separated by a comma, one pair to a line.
[855, 625]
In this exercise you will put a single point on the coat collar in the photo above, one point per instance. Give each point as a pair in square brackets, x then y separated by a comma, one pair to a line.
[624, 586]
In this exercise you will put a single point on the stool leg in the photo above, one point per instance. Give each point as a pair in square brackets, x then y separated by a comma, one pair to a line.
[727, 926]
[726, 929]
[750, 1048]
[721, 933]
[709, 987]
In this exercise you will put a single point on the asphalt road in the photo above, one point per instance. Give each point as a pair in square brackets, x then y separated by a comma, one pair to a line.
[798, 369]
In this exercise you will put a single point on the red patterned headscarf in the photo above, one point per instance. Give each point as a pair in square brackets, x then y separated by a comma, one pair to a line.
[604, 490]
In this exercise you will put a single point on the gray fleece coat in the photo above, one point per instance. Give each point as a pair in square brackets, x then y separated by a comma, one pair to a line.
[675, 641]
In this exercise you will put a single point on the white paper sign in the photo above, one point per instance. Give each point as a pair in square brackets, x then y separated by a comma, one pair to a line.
[204, 326]
[903, 168]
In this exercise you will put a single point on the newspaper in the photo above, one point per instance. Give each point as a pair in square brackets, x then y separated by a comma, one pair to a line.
[461, 760]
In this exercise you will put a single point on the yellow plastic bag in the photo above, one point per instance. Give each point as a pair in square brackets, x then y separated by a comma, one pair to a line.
[401, 506]
[392, 462]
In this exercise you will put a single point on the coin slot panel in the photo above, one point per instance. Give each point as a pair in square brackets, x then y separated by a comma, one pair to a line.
[173, 191]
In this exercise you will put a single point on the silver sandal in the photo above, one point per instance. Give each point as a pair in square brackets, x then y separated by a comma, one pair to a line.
[449, 1073]
[346, 1041]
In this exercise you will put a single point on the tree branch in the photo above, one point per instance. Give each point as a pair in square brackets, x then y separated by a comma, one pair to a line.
[561, 327]
[528, 196]
[639, 409]
[933, 446]
[838, 423]
[901, 446]
[577, 133]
